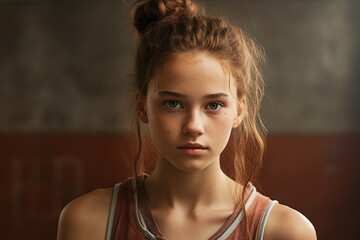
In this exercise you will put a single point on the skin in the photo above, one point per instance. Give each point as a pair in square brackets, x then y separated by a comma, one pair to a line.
[191, 99]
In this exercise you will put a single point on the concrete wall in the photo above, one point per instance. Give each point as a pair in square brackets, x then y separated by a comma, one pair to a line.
[65, 65]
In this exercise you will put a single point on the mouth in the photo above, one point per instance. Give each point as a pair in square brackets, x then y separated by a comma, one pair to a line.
[193, 149]
[192, 146]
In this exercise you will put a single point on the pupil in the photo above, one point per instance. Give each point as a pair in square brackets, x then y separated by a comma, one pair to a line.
[213, 106]
[172, 104]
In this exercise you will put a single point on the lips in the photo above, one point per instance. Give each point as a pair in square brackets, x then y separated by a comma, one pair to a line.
[192, 146]
[193, 149]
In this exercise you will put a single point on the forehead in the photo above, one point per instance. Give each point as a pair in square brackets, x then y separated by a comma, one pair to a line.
[193, 72]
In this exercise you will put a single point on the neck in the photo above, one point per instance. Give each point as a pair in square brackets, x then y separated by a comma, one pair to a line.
[169, 187]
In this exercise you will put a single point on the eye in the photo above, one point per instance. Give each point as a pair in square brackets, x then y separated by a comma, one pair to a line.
[214, 106]
[172, 104]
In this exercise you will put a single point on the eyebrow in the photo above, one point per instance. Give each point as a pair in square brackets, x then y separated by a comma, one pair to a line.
[180, 95]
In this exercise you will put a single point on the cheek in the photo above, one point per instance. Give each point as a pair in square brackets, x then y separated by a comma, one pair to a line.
[226, 119]
[222, 126]
[162, 127]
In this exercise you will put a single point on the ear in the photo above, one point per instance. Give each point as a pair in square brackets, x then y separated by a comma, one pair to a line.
[241, 109]
[141, 108]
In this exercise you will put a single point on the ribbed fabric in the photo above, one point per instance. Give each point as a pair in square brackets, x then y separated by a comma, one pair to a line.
[133, 219]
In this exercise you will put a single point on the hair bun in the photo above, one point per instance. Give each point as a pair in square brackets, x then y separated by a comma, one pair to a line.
[147, 12]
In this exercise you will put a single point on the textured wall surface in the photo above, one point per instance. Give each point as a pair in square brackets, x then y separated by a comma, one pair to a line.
[65, 65]
[313, 53]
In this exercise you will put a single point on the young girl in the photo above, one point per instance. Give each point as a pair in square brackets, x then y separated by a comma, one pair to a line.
[198, 91]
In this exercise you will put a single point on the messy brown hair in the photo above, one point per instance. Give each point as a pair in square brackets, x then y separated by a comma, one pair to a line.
[165, 28]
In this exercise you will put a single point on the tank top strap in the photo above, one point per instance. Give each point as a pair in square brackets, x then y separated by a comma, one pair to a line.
[129, 219]
[110, 221]
[264, 219]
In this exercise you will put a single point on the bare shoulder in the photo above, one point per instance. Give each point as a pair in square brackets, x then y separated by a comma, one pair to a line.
[85, 217]
[285, 223]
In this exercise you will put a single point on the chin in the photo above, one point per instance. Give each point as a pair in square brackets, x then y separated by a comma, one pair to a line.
[191, 165]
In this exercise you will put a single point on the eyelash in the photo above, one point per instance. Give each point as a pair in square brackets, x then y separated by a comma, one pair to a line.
[219, 105]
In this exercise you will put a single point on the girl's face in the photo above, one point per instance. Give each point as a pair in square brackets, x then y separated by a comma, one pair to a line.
[191, 107]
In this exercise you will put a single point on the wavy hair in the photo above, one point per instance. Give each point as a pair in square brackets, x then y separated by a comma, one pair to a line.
[165, 28]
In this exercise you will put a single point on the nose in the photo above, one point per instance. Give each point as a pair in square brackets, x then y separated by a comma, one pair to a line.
[194, 125]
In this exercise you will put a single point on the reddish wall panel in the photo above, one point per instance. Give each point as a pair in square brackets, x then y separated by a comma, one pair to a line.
[40, 173]
[317, 175]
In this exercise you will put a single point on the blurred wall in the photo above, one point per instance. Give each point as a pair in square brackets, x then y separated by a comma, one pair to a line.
[65, 71]
[64, 65]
